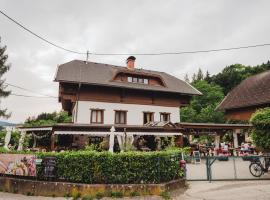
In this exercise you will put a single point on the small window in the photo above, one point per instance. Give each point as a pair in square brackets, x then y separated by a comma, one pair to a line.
[130, 79]
[145, 81]
[120, 117]
[141, 80]
[97, 116]
[148, 117]
[165, 117]
[135, 80]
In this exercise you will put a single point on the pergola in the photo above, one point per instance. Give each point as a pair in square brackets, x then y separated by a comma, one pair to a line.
[158, 129]
[122, 132]
[214, 129]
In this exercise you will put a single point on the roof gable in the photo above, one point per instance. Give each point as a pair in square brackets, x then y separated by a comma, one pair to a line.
[252, 91]
[78, 71]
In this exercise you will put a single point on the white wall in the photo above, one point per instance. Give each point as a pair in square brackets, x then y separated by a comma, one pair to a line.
[134, 114]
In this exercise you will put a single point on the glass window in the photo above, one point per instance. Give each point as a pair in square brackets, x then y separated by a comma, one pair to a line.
[120, 117]
[130, 79]
[97, 116]
[141, 80]
[165, 117]
[148, 117]
[135, 80]
[145, 81]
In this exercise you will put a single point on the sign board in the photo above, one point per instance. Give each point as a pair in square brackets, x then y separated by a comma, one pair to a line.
[18, 164]
[49, 164]
[38, 161]
[197, 157]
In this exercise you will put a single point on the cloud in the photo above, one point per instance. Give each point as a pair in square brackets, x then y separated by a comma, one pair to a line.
[121, 26]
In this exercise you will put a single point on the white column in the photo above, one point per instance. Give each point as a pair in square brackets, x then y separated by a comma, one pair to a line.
[120, 142]
[246, 136]
[190, 138]
[217, 141]
[7, 137]
[21, 140]
[111, 142]
[235, 138]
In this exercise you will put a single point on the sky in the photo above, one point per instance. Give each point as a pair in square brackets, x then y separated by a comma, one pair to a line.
[125, 26]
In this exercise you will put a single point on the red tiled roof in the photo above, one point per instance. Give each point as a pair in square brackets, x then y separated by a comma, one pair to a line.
[252, 91]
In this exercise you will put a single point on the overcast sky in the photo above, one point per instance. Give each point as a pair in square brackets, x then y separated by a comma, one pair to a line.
[126, 26]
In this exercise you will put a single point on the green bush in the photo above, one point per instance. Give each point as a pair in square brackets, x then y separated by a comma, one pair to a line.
[261, 128]
[118, 168]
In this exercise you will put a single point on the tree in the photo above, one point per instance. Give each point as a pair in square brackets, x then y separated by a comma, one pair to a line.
[47, 119]
[199, 75]
[186, 78]
[232, 75]
[202, 108]
[261, 128]
[4, 67]
[207, 77]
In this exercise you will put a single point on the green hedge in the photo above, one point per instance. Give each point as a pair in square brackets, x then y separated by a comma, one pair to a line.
[105, 167]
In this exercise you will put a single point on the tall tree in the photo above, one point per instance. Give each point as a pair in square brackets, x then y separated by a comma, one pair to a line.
[199, 75]
[186, 78]
[4, 67]
[202, 108]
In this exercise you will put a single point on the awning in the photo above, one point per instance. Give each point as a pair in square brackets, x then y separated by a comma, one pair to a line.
[85, 133]
[164, 134]
[36, 129]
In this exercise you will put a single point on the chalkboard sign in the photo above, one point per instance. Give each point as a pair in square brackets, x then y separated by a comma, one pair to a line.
[49, 164]
[197, 157]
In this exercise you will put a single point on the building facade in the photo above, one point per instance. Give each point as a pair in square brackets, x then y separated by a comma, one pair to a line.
[251, 94]
[97, 93]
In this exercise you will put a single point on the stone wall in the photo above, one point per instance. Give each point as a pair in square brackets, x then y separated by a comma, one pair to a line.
[60, 189]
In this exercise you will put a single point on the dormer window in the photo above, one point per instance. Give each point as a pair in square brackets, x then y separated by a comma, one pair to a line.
[134, 79]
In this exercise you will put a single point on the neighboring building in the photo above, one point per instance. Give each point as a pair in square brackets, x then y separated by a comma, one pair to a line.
[251, 94]
[97, 93]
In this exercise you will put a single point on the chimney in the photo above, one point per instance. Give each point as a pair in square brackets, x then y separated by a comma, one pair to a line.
[131, 62]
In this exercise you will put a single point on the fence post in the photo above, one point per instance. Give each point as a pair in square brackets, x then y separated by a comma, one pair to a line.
[207, 168]
[234, 168]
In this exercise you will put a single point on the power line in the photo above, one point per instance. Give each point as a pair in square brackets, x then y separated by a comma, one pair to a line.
[38, 36]
[22, 95]
[28, 90]
[182, 52]
[138, 54]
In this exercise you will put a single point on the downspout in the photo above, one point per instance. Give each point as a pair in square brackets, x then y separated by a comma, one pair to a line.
[77, 102]
[78, 93]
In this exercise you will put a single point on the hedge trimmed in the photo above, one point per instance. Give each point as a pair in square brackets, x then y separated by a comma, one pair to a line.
[118, 168]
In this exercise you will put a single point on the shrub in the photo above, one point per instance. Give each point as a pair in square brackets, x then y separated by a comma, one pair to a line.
[261, 128]
[118, 168]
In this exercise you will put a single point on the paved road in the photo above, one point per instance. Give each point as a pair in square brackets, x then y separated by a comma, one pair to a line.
[197, 190]
[235, 168]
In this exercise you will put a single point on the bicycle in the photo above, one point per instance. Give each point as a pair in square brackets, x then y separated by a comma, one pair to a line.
[257, 167]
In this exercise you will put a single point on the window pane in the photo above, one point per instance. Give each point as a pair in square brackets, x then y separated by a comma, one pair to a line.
[117, 117]
[135, 79]
[129, 79]
[99, 116]
[122, 117]
[94, 116]
[145, 81]
[141, 80]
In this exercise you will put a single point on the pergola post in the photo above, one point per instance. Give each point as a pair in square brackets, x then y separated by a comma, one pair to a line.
[52, 142]
[235, 137]
[246, 136]
[7, 138]
[21, 140]
[190, 138]
[217, 141]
